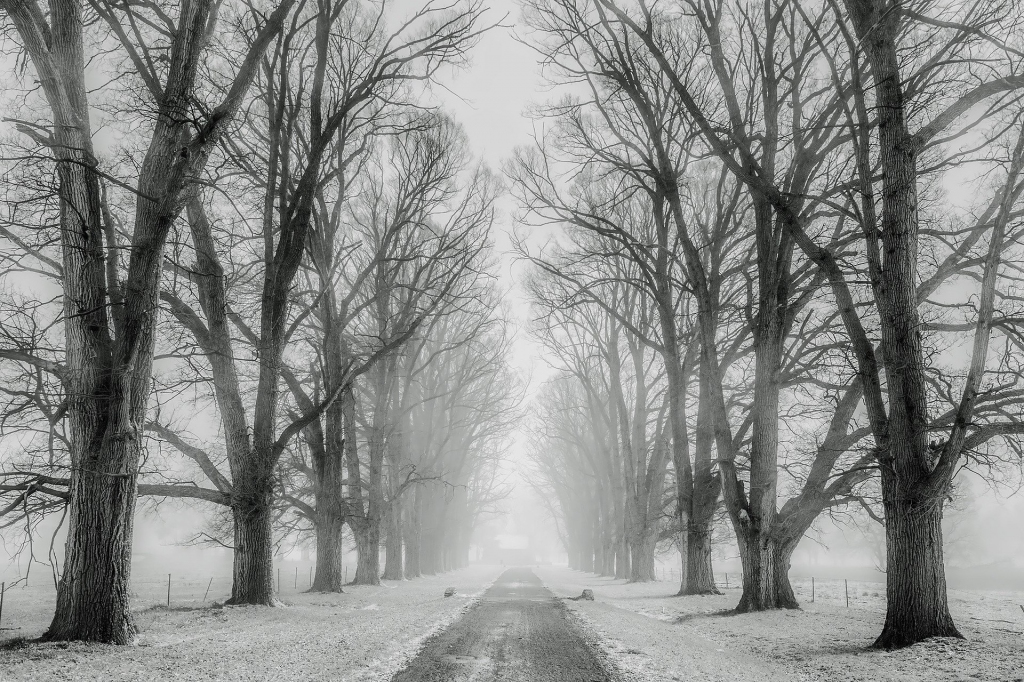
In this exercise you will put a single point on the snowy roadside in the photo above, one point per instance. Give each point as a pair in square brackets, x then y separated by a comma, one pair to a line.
[656, 636]
[364, 635]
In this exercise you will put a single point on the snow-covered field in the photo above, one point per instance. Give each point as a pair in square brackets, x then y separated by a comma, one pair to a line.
[364, 635]
[653, 636]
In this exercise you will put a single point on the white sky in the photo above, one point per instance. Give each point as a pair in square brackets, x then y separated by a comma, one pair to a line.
[490, 99]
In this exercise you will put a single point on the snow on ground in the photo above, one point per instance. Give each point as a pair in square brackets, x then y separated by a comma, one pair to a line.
[364, 635]
[654, 636]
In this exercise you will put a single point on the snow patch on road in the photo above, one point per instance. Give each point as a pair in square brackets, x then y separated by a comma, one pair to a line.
[384, 669]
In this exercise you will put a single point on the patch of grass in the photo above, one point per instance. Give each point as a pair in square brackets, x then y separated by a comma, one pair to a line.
[17, 643]
[175, 609]
[687, 617]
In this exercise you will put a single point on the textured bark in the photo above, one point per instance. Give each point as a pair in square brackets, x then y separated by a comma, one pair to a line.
[754, 519]
[109, 358]
[912, 493]
[700, 576]
[253, 567]
[915, 576]
[329, 575]
[764, 563]
[368, 554]
[94, 591]
[642, 564]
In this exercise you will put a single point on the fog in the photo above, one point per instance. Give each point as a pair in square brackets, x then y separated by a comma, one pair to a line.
[362, 306]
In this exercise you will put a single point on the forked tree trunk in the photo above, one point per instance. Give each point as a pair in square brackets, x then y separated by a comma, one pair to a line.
[764, 560]
[253, 570]
[108, 366]
[700, 576]
[915, 588]
[93, 594]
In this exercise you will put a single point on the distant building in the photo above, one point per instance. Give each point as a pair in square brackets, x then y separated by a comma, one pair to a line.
[510, 550]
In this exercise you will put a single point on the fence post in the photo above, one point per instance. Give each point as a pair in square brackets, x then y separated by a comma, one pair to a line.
[207, 594]
[346, 574]
[812, 589]
[168, 590]
[847, 584]
[727, 580]
[296, 577]
[3, 588]
[311, 576]
[279, 580]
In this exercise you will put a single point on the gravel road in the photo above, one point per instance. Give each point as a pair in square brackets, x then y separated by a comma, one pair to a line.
[517, 632]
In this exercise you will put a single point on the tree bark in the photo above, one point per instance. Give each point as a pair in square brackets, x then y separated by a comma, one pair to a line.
[642, 565]
[329, 575]
[394, 564]
[253, 569]
[915, 576]
[94, 590]
[368, 552]
[765, 561]
[700, 576]
[413, 567]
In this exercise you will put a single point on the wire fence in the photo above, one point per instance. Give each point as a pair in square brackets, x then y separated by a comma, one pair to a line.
[812, 590]
[23, 603]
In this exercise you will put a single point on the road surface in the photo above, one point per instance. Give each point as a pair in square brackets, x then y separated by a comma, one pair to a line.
[518, 632]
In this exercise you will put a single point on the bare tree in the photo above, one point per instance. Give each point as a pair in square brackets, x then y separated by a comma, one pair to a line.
[895, 101]
[109, 323]
[290, 190]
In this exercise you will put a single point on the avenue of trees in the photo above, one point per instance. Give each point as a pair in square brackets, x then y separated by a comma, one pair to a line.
[247, 263]
[772, 247]
[782, 278]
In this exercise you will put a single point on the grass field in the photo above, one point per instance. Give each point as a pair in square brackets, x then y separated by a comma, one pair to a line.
[365, 634]
[651, 636]
[656, 636]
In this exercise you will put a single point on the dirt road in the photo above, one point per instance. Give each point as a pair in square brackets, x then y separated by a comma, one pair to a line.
[518, 632]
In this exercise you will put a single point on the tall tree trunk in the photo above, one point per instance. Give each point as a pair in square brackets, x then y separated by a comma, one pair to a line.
[764, 562]
[912, 493]
[784, 548]
[699, 575]
[917, 607]
[643, 546]
[368, 554]
[413, 567]
[94, 590]
[329, 573]
[394, 565]
[622, 559]
[253, 569]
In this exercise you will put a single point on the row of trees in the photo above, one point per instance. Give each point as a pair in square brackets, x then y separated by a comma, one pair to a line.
[768, 272]
[276, 261]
